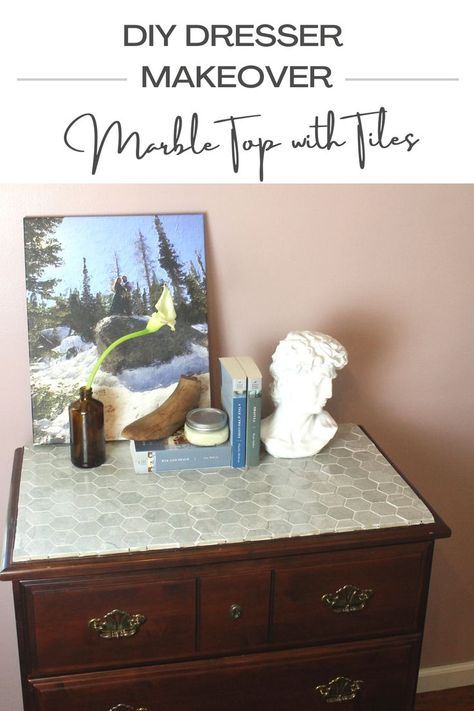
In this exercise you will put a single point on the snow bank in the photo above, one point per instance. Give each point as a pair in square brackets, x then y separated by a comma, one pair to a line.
[71, 343]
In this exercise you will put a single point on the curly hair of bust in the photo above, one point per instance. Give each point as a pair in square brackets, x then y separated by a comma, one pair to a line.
[303, 352]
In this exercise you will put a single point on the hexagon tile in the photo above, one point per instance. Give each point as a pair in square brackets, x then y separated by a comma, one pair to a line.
[65, 512]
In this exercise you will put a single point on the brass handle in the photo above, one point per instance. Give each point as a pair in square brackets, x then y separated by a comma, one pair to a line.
[347, 599]
[117, 623]
[339, 690]
[235, 611]
[126, 707]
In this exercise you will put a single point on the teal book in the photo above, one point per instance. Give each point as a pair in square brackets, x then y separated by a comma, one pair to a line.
[254, 409]
[234, 402]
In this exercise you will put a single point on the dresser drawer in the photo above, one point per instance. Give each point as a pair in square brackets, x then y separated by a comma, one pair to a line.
[108, 622]
[234, 611]
[363, 677]
[350, 595]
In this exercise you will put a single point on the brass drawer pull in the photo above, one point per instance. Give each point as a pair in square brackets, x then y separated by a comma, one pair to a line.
[347, 599]
[235, 611]
[339, 690]
[126, 707]
[117, 624]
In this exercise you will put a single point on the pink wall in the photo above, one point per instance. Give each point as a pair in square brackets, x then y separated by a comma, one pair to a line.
[385, 269]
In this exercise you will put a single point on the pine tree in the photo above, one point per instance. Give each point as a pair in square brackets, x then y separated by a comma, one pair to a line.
[117, 266]
[75, 316]
[170, 263]
[88, 306]
[84, 310]
[201, 265]
[42, 250]
[143, 253]
[137, 302]
[60, 311]
[196, 308]
[100, 307]
[39, 318]
[86, 295]
[155, 291]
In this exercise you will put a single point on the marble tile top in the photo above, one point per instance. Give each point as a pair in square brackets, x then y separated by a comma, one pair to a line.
[70, 512]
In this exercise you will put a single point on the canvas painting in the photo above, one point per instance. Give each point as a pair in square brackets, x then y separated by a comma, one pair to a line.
[90, 280]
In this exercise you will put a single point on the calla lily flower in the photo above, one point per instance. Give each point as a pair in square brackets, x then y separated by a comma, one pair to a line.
[165, 315]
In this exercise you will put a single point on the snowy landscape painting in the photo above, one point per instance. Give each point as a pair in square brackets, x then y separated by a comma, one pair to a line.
[91, 280]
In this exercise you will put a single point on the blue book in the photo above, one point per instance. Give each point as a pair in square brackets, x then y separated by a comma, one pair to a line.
[254, 409]
[234, 402]
[175, 453]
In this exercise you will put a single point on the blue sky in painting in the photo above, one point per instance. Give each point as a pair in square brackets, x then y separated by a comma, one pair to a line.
[100, 238]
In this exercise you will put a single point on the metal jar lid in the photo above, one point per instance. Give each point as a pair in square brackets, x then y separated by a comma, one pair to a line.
[206, 419]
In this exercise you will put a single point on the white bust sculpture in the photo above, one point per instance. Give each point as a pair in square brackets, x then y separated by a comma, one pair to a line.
[303, 367]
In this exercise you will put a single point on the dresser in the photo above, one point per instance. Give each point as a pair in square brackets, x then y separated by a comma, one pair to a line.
[298, 584]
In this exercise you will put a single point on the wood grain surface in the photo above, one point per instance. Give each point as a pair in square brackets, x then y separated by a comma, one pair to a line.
[460, 699]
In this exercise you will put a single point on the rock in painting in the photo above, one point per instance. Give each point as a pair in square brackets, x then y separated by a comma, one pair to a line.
[153, 348]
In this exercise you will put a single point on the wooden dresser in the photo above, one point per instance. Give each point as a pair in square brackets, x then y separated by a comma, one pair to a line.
[292, 585]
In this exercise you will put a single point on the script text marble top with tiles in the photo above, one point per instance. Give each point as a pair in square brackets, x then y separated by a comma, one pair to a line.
[68, 512]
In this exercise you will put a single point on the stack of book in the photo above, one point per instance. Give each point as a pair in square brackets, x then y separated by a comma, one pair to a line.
[175, 453]
[241, 398]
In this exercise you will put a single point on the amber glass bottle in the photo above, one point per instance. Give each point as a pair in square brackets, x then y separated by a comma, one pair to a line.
[86, 425]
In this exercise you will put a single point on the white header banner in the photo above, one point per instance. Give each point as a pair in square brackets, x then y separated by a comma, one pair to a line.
[183, 92]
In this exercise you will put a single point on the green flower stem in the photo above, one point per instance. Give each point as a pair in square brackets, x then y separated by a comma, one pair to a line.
[110, 348]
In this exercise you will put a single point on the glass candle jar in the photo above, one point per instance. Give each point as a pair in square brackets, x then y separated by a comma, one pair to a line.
[86, 425]
[206, 426]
